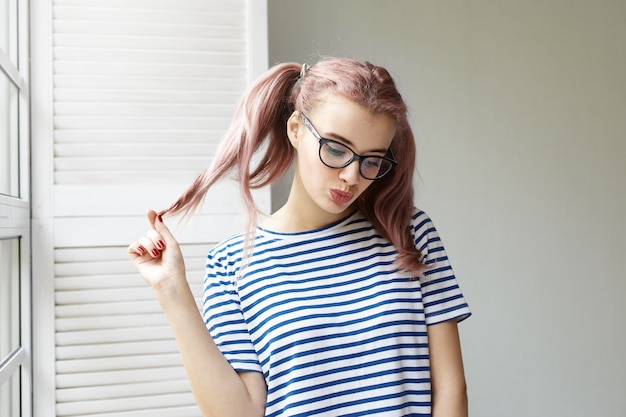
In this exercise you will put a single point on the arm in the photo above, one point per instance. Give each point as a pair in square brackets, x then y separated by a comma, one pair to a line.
[446, 367]
[217, 388]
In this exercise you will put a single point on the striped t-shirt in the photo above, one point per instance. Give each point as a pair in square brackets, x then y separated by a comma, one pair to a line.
[329, 320]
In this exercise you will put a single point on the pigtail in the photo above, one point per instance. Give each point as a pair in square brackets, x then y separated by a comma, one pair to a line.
[261, 114]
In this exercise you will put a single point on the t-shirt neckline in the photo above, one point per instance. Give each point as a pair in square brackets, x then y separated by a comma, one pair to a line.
[307, 234]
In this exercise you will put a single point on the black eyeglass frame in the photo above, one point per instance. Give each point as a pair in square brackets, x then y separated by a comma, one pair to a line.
[389, 157]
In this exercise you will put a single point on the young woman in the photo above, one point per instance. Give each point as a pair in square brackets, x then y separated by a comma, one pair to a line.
[343, 301]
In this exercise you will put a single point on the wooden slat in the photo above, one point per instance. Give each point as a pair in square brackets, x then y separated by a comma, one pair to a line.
[216, 16]
[123, 404]
[121, 390]
[113, 335]
[165, 69]
[86, 379]
[107, 83]
[192, 108]
[104, 308]
[107, 364]
[99, 350]
[211, 99]
[181, 411]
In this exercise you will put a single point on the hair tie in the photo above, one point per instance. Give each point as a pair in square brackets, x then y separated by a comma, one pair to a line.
[304, 70]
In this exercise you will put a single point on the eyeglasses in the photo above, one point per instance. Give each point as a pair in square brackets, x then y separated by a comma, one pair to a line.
[334, 154]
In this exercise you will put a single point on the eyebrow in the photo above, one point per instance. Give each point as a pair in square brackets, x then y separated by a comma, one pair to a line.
[334, 136]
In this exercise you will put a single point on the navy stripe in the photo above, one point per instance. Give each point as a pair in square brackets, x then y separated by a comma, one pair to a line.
[323, 278]
[328, 337]
[339, 294]
[366, 399]
[328, 349]
[360, 366]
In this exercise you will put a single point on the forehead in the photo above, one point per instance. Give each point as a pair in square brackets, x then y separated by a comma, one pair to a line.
[337, 117]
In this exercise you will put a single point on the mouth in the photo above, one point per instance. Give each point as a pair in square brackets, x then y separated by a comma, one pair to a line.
[340, 197]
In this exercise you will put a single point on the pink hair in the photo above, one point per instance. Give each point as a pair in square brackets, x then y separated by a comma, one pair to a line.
[262, 116]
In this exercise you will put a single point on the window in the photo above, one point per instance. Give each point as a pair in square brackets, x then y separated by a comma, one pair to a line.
[15, 328]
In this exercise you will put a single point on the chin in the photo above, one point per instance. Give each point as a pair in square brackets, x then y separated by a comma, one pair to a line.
[339, 209]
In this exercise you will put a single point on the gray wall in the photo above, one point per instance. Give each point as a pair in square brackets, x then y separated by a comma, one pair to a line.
[520, 113]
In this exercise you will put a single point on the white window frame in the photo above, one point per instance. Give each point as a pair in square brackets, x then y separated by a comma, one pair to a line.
[15, 210]
[41, 211]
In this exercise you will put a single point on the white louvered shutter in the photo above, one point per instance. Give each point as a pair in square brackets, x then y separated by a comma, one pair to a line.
[143, 91]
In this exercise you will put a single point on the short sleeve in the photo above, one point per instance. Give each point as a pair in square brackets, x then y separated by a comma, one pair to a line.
[442, 297]
[222, 314]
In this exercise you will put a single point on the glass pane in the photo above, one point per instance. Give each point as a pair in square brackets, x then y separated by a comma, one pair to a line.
[10, 396]
[9, 297]
[4, 25]
[9, 156]
[8, 29]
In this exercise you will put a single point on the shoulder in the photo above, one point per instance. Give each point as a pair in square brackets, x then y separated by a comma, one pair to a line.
[227, 246]
[425, 235]
[224, 258]
[421, 224]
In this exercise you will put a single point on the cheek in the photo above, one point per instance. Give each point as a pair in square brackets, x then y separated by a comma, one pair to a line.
[363, 185]
[314, 175]
[308, 160]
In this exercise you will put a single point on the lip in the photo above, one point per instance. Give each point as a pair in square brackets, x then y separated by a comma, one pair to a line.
[341, 197]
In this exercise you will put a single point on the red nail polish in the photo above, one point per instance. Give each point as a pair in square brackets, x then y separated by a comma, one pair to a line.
[160, 218]
[140, 250]
[160, 244]
[155, 252]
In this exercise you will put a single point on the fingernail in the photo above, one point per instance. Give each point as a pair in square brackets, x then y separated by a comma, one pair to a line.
[160, 244]
[160, 218]
[155, 252]
[140, 250]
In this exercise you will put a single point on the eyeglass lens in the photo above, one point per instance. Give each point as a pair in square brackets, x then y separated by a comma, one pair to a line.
[337, 155]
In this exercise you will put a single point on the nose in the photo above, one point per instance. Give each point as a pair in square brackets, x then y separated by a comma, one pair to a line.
[350, 173]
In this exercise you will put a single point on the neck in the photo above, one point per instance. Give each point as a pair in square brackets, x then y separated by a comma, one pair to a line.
[300, 215]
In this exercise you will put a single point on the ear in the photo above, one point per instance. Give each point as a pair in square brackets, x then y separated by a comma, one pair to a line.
[293, 128]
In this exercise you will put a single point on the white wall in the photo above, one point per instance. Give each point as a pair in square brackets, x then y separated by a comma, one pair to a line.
[520, 115]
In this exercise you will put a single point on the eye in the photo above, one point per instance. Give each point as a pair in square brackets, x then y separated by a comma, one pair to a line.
[335, 149]
[373, 162]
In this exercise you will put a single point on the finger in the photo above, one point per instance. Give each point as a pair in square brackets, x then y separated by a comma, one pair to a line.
[156, 221]
[136, 250]
[156, 238]
[149, 246]
[152, 217]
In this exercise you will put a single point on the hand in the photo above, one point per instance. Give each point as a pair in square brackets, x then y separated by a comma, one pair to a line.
[157, 256]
